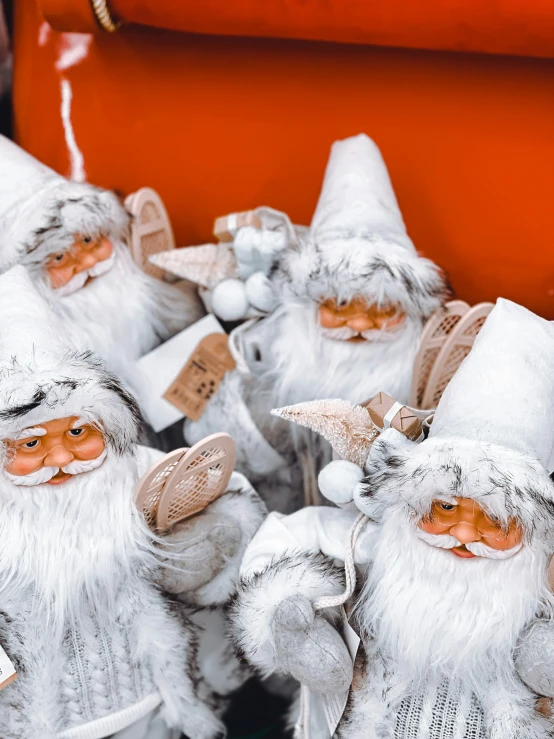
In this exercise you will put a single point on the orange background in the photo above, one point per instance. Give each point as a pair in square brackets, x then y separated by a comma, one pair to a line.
[222, 123]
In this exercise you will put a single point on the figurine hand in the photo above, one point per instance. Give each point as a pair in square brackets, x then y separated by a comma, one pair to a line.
[195, 551]
[534, 658]
[309, 647]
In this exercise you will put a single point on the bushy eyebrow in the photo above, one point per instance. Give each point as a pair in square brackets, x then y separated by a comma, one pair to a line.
[27, 433]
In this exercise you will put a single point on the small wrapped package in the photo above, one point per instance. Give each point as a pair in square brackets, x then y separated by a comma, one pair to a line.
[385, 411]
[226, 227]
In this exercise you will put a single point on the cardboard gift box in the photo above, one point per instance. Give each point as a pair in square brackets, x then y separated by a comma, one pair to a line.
[226, 227]
[384, 411]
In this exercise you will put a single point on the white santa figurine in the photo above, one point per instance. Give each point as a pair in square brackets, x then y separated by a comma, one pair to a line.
[99, 646]
[450, 539]
[353, 296]
[71, 237]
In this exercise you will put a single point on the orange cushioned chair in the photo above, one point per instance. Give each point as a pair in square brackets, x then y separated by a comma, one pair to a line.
[223, 105]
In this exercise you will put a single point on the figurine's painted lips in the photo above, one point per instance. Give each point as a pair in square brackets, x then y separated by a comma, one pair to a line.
[356, 339]
[462, 552]
[59, 478]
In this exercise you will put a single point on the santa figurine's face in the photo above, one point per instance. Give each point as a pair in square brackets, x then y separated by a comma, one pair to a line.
[70, 270]
[54, 451]
[464, 528]
[357, 320]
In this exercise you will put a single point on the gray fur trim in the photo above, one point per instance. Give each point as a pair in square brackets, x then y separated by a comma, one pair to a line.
[84, 211]
[368, 267]
[76, 385]
[506, 483]
[251, 613]
[242, 507]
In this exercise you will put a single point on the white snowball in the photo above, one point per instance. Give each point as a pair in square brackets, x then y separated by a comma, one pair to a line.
[338, 480]
[229, 301]
[260, 292]
[244, 244]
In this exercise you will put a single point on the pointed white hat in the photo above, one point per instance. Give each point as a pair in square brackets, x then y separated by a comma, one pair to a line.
[43, 376]
[357, 199]
[41, 212]
[492, 436]
[503, 392]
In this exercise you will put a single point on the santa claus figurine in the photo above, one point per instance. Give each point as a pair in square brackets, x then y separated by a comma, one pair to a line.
[97, 643]
[72, 239]
[450, 538]
[353, 296]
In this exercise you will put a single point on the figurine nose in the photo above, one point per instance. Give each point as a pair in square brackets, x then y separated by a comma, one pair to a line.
[465, 532]
[360, 323]
[86, 261]
[58, 456]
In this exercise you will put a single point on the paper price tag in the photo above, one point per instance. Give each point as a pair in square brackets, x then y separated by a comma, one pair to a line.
[334, 704]
[156, 372]
[201, 376]
[7, 670]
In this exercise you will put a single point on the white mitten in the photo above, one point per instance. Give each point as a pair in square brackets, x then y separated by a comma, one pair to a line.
[534, 658]
[195, 551]
[309, 648]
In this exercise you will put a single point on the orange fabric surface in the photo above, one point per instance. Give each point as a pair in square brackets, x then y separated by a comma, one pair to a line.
[221, 124]
[523, 27]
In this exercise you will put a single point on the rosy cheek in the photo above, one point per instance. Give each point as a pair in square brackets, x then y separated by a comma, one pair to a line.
[104, 250]
[431, 527]
[328, 319]
[91, 448]
[59, 276]
[21, 465]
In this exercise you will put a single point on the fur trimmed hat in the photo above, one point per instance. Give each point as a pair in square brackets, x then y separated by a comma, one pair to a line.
[492, 437]
[44, 377]
[42, 212]
[358, 245]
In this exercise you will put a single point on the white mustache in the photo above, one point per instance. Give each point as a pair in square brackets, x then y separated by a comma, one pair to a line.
[44, 474]
[343, 333]
[445, 541]
[78, 280]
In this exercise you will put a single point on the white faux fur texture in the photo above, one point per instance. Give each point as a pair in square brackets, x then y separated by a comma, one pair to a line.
[124, 313]
[243, 505]
[310, 575]
[49, 221]
[375, 269]
[76, 384]
[75, 550]
[409, 476]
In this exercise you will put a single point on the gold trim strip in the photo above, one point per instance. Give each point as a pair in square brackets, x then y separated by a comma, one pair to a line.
[103, 16]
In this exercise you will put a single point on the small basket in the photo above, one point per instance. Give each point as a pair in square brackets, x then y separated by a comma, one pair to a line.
[185, 482]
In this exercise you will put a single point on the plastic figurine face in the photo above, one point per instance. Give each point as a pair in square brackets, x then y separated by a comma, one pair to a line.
[349, 321]
[63, 446]
[83, 256]
[467, 522]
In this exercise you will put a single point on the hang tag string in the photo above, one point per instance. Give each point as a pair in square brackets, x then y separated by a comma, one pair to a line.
[302, 727]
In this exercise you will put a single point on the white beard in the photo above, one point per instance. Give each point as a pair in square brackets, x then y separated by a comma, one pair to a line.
[310, 366]
[431, 611]
[123, 313]
[61, 544]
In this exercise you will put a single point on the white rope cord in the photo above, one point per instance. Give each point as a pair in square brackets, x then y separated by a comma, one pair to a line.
[329, 601]
[236, 346]
[103, 16]
[302, 728]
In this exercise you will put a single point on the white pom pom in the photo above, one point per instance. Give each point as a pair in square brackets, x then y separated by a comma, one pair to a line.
[245, 243]
[338, 480]
[229, 301]
[260, 292]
